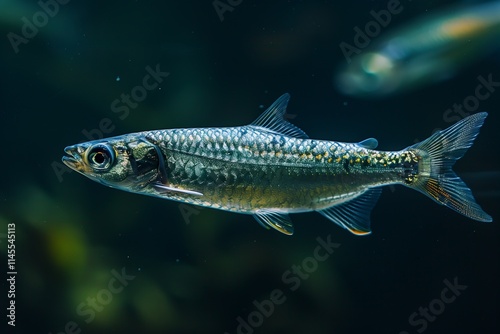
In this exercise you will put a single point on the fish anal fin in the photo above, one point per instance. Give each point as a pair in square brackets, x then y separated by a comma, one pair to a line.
[273, 119]
[278, 221]
[354, 215]
[165, 188]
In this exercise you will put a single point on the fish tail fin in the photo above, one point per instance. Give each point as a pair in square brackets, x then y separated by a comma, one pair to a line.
[437, 155]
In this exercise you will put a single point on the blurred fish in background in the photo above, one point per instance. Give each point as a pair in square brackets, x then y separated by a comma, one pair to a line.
[428, 50]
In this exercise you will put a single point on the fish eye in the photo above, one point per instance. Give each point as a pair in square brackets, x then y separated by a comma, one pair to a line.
[101, 157]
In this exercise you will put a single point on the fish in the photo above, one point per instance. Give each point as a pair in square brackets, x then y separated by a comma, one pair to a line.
[271, 168]
[426, 50]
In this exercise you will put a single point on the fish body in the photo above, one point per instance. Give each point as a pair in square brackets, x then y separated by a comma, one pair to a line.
[271, 168]
[426, 50]
[245, 169]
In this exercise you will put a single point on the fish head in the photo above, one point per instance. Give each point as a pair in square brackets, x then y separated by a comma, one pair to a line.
[124, 162]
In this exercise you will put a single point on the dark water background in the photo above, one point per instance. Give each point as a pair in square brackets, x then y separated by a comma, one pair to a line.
[200, 274]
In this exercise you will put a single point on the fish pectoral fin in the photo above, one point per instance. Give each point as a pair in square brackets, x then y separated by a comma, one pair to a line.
[277, 220]
[354, 215]
[165, 188]
[369, 143]
[273, 119]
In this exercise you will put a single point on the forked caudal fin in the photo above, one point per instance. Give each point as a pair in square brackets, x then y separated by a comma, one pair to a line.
[439, 153]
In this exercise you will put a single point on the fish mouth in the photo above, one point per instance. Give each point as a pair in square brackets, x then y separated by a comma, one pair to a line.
[73, 159]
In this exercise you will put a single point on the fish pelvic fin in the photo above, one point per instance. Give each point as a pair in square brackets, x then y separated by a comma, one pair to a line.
[277, 220]
[438, 154]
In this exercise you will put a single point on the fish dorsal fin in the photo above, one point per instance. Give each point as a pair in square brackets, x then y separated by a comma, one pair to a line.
[277, 220]
[273, 119]
[369, 143]
[354, 215]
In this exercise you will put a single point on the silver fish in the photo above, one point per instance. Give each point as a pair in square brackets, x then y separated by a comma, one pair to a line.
[271, 168]
[426, 50]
